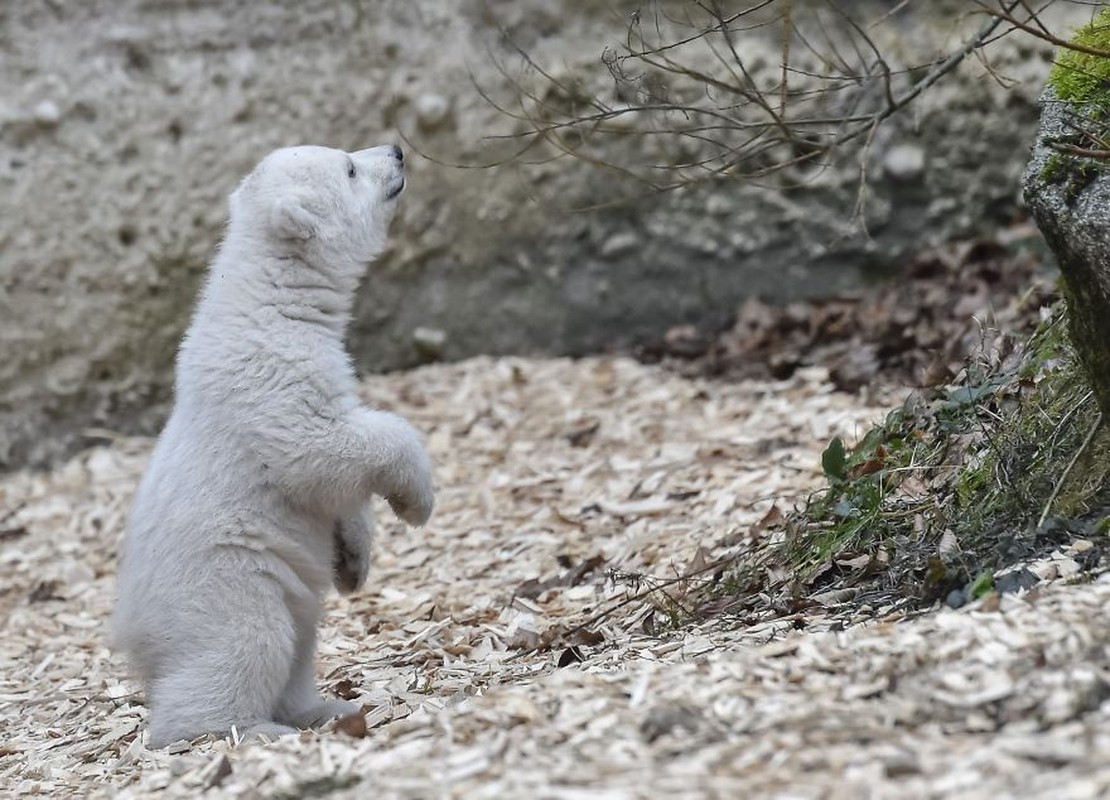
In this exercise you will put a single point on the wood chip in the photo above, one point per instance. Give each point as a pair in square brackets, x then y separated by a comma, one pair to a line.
[546, 465]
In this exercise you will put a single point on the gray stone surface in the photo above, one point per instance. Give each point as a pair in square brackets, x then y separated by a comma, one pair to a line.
[1070, 200]
[125, 123]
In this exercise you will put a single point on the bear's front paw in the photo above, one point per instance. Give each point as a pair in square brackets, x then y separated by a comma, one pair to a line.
[416, 511]
[415, 497]
[353, 536]
[348, 573]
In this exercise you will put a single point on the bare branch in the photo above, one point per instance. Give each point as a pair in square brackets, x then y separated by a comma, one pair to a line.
[705, 104]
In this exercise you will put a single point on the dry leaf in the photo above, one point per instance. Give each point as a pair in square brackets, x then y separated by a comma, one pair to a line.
[346, 689]
[948, 545]
[352, 725]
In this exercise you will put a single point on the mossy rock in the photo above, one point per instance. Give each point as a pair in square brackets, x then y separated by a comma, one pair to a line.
[1067, 190]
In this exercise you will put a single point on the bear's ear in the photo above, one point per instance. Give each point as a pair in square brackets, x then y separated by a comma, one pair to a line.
[292, 219]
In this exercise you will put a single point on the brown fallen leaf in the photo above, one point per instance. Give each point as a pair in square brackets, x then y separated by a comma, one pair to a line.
[346, 689]
[871, 465]
[352, 725]
[586, 637]
[773, 516]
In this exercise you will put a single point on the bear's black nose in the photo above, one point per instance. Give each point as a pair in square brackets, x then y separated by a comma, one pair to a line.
[398, 154]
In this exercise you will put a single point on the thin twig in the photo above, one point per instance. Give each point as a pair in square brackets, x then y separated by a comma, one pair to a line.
[1076, 150]
[787, 29]
[1006, 15]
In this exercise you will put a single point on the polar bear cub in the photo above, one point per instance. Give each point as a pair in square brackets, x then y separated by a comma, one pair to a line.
[254, 502]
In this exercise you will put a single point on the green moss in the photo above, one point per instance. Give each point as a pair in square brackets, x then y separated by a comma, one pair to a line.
[1054, 169]
[1079, 178]
[1075, 173]
[1084, 78]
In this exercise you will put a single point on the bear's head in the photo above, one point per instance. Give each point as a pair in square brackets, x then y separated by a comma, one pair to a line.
[330, 207]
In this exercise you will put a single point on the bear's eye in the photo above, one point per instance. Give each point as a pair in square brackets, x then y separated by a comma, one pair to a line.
[350, 169]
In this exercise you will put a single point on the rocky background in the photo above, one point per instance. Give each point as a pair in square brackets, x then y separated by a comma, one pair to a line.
[124, 125]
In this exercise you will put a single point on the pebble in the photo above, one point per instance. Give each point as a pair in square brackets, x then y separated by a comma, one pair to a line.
[718, 205]
[47, 113]
[904, 162]
[618, 243]
[433, 111]
[429, 341]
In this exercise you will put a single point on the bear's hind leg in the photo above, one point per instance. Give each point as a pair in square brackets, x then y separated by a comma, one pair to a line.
[231, 676]
[301, 704]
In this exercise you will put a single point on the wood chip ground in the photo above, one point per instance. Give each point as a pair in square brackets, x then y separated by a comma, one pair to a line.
[566, 486]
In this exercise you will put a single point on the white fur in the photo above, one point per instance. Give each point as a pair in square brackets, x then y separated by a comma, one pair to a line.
[353, 537]
[253, 503]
